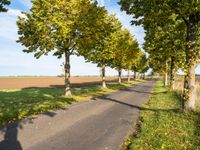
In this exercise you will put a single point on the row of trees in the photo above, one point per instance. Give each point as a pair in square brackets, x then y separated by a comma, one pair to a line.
[172, 38]
[80, 27]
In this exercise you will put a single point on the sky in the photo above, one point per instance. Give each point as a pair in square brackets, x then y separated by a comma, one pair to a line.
[14, 62]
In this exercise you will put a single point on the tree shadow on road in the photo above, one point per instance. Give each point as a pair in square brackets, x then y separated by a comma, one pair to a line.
[137, 91]
[135, 106]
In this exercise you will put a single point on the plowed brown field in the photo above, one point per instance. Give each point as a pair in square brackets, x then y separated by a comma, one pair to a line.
[28, 82]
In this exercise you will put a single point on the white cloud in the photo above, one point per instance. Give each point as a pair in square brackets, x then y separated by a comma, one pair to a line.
[26, 3]
[8, 27]
[101, 2]
[15, 13]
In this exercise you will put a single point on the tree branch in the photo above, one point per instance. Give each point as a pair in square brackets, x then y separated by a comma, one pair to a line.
[185, 20]
[178, 12]
[72, 48]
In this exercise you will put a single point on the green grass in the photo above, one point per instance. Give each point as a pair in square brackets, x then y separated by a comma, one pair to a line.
[163, 124]
[21, 103]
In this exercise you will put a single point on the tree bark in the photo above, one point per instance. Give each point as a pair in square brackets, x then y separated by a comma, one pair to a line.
[166, 74]
[189, 95]
[144, 76]
[129, 75]
[67, 74]
[141, 76]
[138, 76]
[135, 75]
[165, 79]
[104, 76]
[172, 73]
[120, 76]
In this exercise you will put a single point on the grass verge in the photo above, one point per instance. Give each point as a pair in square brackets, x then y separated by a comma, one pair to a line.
[21, 103]
[163, 125]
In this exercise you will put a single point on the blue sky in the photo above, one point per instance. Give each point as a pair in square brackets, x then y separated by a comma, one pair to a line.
[14, 62]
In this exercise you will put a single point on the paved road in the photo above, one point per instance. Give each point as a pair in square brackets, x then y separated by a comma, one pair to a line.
[99, 124]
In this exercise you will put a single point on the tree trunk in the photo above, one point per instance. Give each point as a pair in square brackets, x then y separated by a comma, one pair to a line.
[135, 75]
[104, 76]
[129, 75]
[172, 73]
[189, 94]
[144, 76]
[141, 76]
[165, 79]
[138, 75]
[120, 76]
[166, 74]
[67, 74]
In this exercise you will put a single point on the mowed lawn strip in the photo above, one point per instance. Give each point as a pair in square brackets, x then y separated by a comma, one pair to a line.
[163, 124]
[21, 103]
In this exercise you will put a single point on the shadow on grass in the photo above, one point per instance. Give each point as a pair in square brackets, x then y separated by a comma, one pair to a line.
[116, 86]
[85, 84]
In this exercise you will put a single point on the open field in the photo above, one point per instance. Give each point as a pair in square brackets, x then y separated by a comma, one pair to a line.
[28, 82]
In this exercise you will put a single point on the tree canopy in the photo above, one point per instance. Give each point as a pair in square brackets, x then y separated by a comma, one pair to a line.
[2, 4]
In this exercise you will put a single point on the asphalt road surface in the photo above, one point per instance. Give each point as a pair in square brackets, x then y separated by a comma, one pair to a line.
[99, 124]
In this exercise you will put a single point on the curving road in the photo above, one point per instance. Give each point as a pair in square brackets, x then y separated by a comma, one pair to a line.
[99, 124]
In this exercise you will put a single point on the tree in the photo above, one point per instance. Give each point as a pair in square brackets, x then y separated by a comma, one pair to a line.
[147, 12]
[189, 12]
[167, 44]
[132, 56]
[143, 65]
[2, 3]
[135, 67]
[99, 53]
[140, 64]
[124, 49]
[58, 27]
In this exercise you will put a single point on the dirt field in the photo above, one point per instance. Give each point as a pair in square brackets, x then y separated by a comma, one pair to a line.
[28, 82]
